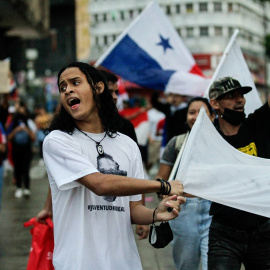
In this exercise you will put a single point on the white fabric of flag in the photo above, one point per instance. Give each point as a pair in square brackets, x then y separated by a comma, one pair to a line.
[214, 170]
[233, 64]
[151, 54]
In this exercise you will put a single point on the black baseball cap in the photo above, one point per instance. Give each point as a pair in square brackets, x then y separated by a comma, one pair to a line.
[224, 85]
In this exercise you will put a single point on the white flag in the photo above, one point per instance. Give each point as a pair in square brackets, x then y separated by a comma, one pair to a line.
[213, 169]
[233, 64]
[151, 54]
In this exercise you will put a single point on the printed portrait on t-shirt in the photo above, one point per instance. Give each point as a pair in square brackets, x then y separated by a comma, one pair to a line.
[106, 165]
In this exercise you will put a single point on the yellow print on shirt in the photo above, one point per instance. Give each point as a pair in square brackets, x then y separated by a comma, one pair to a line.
[250, 149]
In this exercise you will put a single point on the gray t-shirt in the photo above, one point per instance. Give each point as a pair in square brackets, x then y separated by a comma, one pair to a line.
[172, 149]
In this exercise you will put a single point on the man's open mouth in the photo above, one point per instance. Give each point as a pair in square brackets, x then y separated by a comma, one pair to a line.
[73, 101]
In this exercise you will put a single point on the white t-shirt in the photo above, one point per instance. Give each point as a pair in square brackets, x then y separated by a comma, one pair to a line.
[154, 116]
[90, 231]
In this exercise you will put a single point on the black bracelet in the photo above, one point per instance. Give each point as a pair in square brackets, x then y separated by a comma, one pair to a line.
[165, 188]
[161, 189]
[168, 188]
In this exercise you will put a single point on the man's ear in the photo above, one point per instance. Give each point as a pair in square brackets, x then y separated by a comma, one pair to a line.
[100, 87]
[214, 104]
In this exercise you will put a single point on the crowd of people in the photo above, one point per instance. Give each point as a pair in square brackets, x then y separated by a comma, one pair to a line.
[96, 158]
[21, 134]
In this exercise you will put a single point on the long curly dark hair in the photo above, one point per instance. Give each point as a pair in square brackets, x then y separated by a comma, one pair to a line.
[107, 110]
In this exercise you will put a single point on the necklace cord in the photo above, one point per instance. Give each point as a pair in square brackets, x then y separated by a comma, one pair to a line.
[92, 138]
[98, 146]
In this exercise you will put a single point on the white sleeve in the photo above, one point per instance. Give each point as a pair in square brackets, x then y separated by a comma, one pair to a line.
[64, 162]
[32, 125]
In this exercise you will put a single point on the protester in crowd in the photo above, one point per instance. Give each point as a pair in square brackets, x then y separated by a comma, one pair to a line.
[93, 211]
[237, 236]
[175, 111]
[22, 133]
[191, 227]
[137, 114]
[126, 128]
[9, 162]
[3, 154]
[154, 137]
[42, 121]
[4, 105]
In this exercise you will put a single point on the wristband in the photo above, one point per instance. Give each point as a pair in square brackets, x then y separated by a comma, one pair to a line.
[165, 188]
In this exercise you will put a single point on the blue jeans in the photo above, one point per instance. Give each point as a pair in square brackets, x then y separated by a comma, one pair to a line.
[229, 247]
[190, 234]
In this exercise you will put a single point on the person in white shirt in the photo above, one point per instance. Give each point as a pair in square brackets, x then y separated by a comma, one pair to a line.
[96, 178]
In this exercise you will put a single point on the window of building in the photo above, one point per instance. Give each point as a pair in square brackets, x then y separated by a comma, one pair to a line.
[113, 15]
[189, 8]
[204, 31]
[218, 31]
[131, 13]
[96, 40]
[190, 32]
[96, 17]
[237, 7]
[217, 6]
[242, 34]
[104, 17]
[230, 31]
[122, 15]
[168, 10]
[105, 40]
[178, 9]
[230, 7]
[178, 30]
[250, 37]
[203, 7]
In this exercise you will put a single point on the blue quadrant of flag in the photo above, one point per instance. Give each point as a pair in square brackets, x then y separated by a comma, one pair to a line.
[141, 69]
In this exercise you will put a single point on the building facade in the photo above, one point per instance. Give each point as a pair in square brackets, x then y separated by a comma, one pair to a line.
[21, 20]
[205, 26]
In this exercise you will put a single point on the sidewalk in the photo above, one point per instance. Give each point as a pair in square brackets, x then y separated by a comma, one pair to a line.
[15, 240]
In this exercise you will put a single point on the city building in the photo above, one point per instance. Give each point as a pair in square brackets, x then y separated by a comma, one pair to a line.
[21, 20]
[205, 26]
[38, 36]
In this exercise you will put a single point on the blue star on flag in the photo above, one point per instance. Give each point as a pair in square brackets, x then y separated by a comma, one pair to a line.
[164, 42]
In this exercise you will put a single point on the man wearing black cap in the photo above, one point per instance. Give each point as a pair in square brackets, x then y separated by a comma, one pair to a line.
[237, 236]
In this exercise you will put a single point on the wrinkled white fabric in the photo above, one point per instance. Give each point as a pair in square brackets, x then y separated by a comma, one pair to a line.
[214, 170]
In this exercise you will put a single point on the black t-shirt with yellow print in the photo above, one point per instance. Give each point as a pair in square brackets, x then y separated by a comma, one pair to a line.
[253, 138]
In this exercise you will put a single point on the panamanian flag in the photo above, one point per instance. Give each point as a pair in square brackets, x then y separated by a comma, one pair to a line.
[151, 54]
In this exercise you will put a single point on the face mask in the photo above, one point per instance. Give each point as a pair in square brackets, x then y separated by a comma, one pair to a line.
[233, 117]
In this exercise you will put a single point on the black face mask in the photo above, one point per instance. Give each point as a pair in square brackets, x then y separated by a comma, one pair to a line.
[233, 117]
